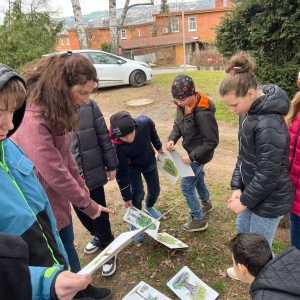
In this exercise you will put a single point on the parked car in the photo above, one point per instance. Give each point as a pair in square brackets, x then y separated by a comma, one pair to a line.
[115, 70]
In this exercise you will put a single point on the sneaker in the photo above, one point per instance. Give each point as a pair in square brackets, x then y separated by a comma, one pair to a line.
[92, 246]
[91, 292]
[195, 225]
[154, 212]
[110, 267]
[140, 238]
[231, 273]
[206, 207]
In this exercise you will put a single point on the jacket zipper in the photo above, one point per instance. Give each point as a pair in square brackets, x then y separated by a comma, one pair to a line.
[6, 169]
[241, 148]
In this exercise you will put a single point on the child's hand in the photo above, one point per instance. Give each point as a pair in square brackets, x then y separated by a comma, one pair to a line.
[111, 175]
[169, 146]
[128, 204]
[100, 209]
[67, 284]
[186, 160]
[160, 151]
[235, 205]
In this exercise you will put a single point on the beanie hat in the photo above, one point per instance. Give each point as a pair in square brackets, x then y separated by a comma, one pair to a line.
[182, 87]
[121, 123]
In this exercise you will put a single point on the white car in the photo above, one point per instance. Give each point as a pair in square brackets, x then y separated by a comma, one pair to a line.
[115, 70]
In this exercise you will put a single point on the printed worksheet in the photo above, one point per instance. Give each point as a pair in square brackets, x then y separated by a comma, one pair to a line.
[145, 291]
[186, 285]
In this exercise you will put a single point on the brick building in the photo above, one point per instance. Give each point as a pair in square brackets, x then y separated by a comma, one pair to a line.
[161, 38]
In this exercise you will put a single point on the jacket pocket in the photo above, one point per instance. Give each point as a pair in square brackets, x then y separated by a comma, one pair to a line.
[25, 166]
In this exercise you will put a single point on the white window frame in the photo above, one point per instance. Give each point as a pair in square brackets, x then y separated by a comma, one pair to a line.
[165, 30]
[138, 32]
[68, 41]
[176, 27]
[192, 23]
[123, 34]
[62, 42]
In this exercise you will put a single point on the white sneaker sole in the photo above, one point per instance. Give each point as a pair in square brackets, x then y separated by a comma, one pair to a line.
[90, 251]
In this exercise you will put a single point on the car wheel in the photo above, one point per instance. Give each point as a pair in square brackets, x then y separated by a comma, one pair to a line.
[137, 78]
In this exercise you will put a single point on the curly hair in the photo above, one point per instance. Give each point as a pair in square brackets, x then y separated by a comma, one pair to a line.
[49, 81]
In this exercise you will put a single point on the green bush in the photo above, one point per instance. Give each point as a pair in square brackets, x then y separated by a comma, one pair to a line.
[106, 47]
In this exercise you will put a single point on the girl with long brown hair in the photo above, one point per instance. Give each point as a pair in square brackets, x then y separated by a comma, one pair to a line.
[55, 86]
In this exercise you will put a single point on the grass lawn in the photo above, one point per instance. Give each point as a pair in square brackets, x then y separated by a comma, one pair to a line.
[208, 255]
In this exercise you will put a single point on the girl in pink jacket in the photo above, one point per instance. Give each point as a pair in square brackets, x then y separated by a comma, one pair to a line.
[293, 122]
[55, 86]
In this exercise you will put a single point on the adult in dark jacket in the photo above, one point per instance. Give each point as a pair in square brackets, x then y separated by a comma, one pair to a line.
[135, 140]
[263, 190]
[269, 279]
[196, 124]
[97, 161]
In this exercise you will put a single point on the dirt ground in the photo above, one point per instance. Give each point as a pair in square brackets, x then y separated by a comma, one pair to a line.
[218, 174]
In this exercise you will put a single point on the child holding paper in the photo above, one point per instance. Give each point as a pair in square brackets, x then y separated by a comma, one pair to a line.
[135, 140]
[196, 124]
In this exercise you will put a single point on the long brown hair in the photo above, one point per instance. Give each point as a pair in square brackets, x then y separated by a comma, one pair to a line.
[49, 81]
[240, 76]
[294, 110]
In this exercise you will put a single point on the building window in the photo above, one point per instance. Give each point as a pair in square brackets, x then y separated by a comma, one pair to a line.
[68, 41]
[175, 25]
[139, 32]
[62, 41]
[224, 3]
[165, 30]
[192, 24]
[123, 34]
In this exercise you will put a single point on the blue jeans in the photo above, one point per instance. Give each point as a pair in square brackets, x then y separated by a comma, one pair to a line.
[295, 230]
[67, 237]
[247, 221]
[189, 185]
[137, 188]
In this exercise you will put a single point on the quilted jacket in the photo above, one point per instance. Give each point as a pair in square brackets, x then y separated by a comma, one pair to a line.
[261, 170]
[295, 162]
[279, 279]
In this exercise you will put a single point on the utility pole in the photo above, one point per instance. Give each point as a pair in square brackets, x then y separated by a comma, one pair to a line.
[183, 37]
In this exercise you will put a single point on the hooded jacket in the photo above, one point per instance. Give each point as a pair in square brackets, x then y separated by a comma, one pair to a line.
[279, 279]
[25, 210]
[198, 129]
[295, 162]
[138, 156]
[261, 170]
[92, 147]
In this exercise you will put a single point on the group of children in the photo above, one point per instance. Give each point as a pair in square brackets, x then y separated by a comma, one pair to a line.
[70, 155]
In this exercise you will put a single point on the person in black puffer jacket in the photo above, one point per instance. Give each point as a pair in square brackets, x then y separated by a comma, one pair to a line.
[263, 190]
[276, 279]
[97, 162]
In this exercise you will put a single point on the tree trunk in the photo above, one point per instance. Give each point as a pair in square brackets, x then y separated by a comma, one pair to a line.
[79, 24]
[113, 27]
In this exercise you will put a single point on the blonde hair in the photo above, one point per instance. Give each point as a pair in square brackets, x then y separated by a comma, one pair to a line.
[240, 76]
[13, 90]
[293, 111]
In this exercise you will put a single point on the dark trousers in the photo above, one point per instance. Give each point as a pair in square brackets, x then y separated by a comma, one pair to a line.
[99, 227]
[137, 188]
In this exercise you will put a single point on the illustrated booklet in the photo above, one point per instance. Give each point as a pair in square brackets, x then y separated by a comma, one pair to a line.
[112, 249]
[145, 291]
[139, 219]
[187, 286]
[171, 165]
